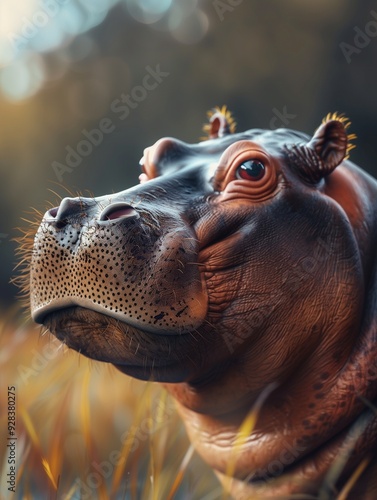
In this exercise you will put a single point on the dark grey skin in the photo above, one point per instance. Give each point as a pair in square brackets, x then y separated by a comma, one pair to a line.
[240, 273]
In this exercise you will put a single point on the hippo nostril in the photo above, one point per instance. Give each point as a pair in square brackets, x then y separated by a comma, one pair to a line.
[53, 212]
[51, 217]
[122, 212]
[117, 211]
[69, 210]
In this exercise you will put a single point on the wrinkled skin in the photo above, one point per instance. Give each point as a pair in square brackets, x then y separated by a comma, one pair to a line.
[241, 274]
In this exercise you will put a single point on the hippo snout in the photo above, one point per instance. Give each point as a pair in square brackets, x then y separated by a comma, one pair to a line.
[91, 252]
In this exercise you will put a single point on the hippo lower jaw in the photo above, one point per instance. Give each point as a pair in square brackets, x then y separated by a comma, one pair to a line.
[134, 351]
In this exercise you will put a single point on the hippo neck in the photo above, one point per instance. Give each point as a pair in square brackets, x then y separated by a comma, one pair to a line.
[310, 414]
[307, 430]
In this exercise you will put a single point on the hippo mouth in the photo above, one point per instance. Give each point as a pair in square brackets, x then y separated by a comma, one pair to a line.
[134, 351]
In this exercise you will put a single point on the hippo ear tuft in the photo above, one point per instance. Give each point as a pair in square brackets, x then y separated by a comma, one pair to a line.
[328, 147]
[346, 124]
[221, 122]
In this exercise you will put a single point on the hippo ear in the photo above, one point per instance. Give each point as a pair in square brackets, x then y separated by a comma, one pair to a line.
[328, 147]
[221, 122]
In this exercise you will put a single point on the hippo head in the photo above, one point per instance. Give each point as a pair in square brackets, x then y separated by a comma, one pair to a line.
[239, 262]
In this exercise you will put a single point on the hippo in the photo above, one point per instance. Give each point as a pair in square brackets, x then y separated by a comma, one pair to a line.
[241, 275]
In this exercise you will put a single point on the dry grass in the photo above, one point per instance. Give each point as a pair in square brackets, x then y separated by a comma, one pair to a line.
[84, 430]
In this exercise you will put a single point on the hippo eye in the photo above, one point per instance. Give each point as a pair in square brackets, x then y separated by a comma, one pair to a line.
[251, 170]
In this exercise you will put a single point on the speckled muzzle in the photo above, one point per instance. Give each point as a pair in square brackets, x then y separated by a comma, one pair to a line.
[118, 259]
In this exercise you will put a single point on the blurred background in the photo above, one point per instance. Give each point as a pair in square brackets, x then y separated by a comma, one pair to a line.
[66, 65]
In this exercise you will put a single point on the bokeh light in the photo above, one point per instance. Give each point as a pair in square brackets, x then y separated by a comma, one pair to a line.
[31, 28]
[191, 28]
[148, 11]
[22, 78]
